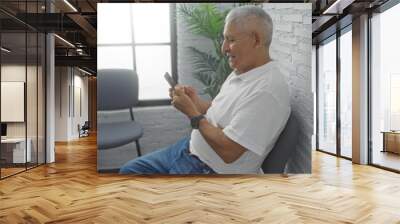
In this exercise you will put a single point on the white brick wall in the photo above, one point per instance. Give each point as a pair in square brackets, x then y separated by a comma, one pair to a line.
[284, 27]
[291, 46]
[293, 18]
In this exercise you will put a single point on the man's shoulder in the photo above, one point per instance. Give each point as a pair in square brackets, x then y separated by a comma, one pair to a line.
[273, 79]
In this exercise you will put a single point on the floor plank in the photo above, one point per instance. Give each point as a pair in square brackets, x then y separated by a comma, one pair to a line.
[71, 191]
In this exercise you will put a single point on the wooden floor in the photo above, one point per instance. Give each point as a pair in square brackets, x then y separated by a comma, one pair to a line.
[10, 171]
[71, 191]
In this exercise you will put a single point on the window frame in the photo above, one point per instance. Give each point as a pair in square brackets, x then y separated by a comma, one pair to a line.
[334, 37]
[381, 9]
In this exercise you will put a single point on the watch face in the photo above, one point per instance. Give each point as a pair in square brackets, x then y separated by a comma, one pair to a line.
[194, 121]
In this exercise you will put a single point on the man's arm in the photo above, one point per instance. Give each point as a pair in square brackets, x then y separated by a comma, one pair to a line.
[227, 149]
[202, 105]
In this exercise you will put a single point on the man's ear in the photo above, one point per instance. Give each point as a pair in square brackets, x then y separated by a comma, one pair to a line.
[257, 39]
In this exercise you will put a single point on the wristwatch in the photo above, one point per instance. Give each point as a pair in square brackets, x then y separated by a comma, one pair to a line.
[195, 121]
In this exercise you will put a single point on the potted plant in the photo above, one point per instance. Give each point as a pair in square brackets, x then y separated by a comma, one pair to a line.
[211, 69]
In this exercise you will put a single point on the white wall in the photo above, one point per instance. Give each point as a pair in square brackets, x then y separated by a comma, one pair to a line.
[80, 83]
[15, 72]
[12, 73]
[68, 81]
[61, 103]
[33, 126]
[291, 45]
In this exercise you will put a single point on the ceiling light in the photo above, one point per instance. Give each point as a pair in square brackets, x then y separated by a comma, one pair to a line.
[65, 41]
[5, 50]
[86, 72]
[70, 5]
[338, 6]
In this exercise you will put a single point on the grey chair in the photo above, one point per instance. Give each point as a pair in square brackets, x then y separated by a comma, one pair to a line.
[284, 148]
[83, 130]
[118, 89]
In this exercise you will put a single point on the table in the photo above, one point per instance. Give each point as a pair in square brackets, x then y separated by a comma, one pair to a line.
[391, 141]
[16, 147]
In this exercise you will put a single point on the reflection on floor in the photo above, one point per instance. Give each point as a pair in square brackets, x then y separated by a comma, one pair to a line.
[346, 152]
[386, 159]
[11, 169]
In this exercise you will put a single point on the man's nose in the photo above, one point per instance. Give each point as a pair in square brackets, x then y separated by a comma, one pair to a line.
[224, 48]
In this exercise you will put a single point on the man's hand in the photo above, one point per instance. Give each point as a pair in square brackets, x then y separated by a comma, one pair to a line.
[182, 102]
[190, 91]
[201, 105]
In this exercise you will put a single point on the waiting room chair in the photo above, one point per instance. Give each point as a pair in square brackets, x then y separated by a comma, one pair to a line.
[285, 146]
[84, 130]
[118, 89]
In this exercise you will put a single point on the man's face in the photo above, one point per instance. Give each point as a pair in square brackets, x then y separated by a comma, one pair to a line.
[238, 47]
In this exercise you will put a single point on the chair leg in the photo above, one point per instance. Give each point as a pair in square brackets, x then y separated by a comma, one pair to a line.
[138, 148]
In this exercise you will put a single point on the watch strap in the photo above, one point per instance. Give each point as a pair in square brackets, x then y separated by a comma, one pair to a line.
[195, 121]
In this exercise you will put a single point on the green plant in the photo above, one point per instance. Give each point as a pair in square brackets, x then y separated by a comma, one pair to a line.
[211, 69]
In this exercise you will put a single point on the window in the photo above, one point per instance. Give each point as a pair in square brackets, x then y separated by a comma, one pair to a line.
[327, 96]
[334, 138]
[314, 90]
[346, 93]
[394, 101]
[22, 77]
[385, 88]
[141, 41]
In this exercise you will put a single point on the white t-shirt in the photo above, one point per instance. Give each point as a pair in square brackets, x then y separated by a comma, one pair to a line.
[252, 109]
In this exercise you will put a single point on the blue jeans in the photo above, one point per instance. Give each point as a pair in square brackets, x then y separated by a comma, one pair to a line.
[175, 159]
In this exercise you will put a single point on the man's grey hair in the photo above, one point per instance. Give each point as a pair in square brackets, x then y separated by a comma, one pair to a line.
[241, 15]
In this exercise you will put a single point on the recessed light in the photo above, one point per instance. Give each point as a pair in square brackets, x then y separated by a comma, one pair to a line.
[70, 5]
[5, 50]
[64, 40]
[86, 72]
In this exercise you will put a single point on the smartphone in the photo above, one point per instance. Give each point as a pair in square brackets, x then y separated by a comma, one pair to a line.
[170, 80]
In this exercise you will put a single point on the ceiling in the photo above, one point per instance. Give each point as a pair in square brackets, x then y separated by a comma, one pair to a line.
[330, 16]
[77, 25]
